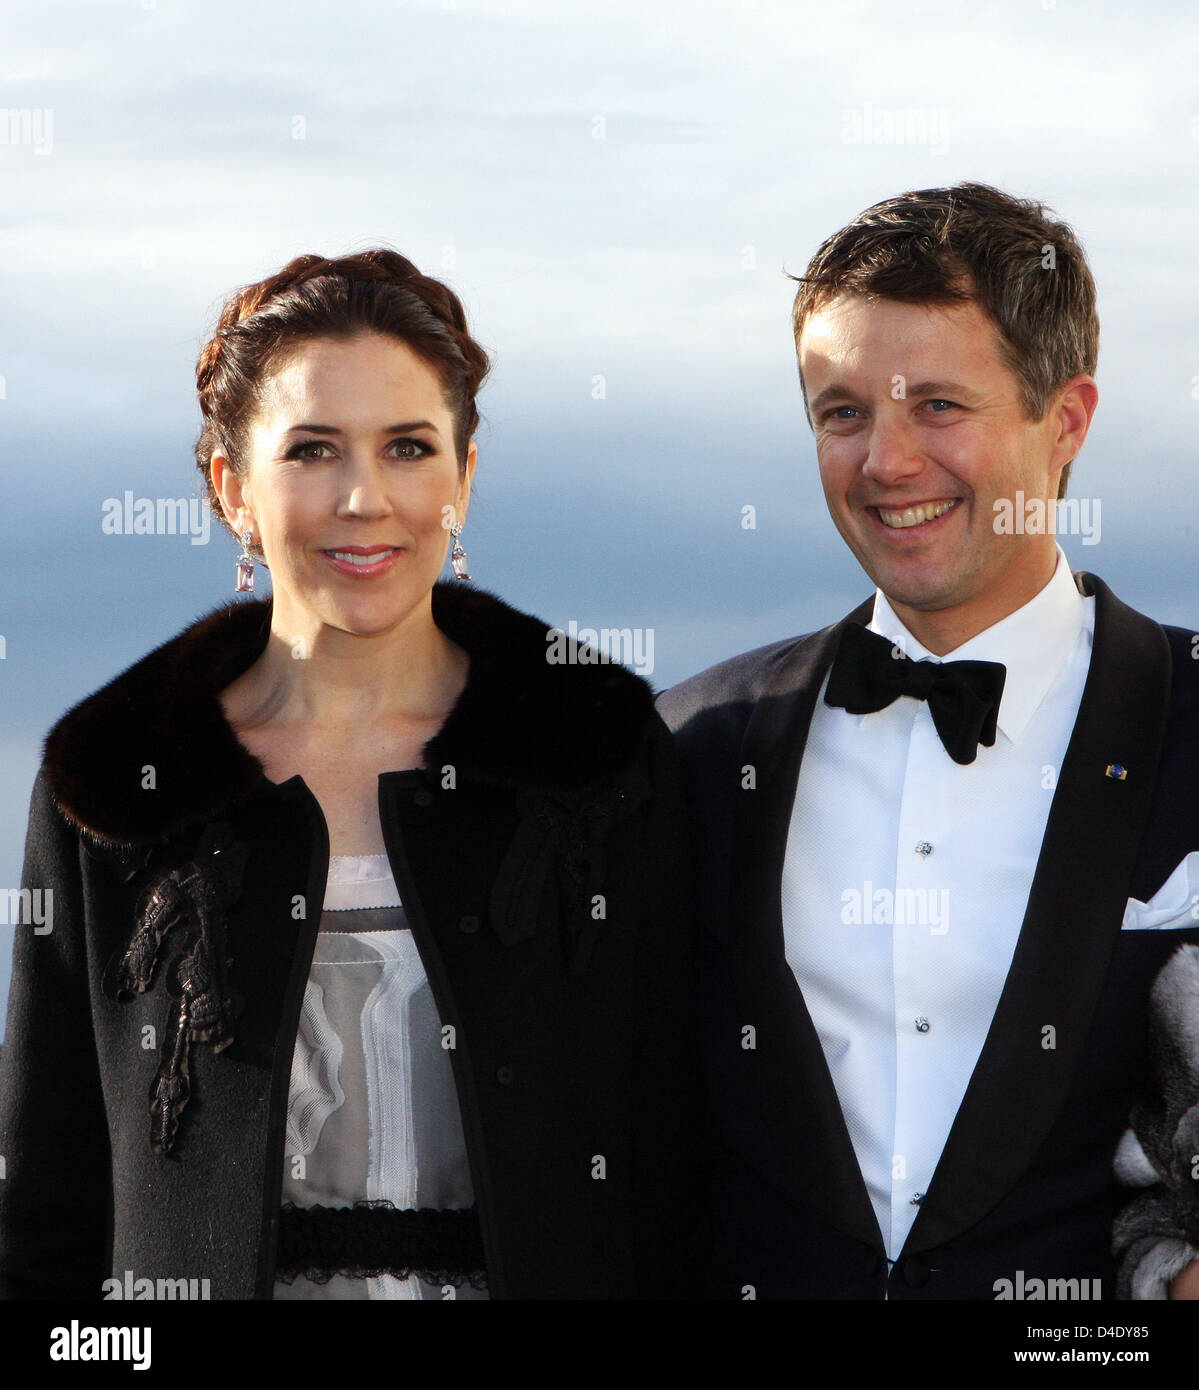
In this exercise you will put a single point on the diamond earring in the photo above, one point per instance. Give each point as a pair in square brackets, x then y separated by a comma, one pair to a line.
[458, 555]
[245, 565]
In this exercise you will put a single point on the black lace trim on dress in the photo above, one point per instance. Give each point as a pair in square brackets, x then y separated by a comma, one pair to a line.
[373, 1238]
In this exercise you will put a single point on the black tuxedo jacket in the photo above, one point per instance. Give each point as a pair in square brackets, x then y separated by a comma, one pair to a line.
[1024, 1184]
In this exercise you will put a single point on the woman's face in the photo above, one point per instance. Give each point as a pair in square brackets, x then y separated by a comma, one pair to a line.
[351, 484]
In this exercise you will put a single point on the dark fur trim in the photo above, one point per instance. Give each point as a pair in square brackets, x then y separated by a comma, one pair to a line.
[520, 722]
[1157, 1234]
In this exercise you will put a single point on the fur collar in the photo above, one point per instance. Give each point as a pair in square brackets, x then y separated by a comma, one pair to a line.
[521, 722]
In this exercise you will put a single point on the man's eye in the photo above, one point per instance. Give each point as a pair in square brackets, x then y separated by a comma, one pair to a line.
[949, 405]
[836, 413]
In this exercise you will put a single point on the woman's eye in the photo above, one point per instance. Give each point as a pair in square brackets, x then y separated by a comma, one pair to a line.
[407, 449]
[416, 448]
[297, 450]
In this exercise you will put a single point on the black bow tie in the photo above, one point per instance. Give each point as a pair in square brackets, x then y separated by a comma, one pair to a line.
[869, 673]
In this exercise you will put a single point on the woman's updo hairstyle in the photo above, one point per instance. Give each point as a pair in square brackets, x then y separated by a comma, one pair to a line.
[376, 291]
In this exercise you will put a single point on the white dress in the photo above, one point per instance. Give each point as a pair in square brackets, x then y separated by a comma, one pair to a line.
[372, 1111]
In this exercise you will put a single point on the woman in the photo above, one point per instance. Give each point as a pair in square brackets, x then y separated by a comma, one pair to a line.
[369, 963]
[1156, 1234]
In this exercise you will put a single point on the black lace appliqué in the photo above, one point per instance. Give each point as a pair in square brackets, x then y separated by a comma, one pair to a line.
[190, 900]
[556, 864]
[374, 1238]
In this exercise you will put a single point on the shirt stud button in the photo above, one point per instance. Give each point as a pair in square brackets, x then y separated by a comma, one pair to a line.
[505, 1076]
[922, 1025]
[423, 797]
[923, 848]
[468, 925]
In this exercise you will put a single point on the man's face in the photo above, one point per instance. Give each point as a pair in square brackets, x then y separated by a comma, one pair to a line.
[919, 430]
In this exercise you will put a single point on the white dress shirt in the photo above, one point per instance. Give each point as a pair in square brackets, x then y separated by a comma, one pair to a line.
[906, 880]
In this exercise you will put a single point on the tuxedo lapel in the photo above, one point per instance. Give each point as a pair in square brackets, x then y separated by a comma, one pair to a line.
[786, 1117]
[1070, 928]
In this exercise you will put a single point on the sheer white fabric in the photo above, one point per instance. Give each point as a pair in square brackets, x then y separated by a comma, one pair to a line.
[372, 1110]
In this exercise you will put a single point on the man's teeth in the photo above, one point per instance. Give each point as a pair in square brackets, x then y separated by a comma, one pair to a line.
[913, 516]
[362, 559]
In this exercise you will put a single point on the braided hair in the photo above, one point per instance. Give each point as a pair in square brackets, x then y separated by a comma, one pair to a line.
[376, 291]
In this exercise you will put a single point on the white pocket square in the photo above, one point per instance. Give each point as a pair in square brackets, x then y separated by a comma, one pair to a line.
[1174, 905]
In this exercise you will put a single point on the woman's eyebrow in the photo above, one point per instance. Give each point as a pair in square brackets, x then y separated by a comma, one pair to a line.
[387, 429]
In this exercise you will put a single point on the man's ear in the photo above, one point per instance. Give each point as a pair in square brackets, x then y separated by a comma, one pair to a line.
[1073, 411]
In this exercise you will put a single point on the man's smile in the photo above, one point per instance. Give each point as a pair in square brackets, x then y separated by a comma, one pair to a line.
[919, 515]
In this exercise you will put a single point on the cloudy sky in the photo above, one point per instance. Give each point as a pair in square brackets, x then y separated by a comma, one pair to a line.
[615, 190]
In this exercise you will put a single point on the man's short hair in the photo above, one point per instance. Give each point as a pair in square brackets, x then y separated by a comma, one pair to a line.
[1026, 271]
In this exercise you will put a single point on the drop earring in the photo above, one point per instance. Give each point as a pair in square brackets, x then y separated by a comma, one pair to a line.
[245, 565]
[458, 555]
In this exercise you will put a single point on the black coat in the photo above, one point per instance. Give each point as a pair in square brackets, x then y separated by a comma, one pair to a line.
[1025, 1183]
[540, 857]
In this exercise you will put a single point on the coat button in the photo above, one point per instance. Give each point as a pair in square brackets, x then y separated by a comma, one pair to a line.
[468, 924]
[423, 797]
[916, 1272]
[505, 1076]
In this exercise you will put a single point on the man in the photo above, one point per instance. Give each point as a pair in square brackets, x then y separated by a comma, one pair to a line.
[939, 898]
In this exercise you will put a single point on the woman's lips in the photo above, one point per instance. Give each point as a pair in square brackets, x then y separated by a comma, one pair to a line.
[362, 562]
